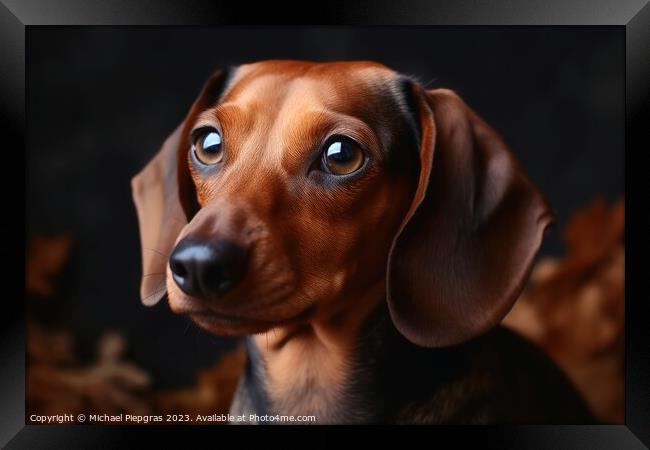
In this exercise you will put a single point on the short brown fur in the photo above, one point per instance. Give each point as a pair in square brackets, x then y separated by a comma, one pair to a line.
[328, 257]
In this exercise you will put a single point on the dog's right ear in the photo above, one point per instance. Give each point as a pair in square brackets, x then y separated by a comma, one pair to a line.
[164, 195]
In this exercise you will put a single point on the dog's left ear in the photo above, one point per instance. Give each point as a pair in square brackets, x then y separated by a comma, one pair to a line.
[467, 244]
[165, 198]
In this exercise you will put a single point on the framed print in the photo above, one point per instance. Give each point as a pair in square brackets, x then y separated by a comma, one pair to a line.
[410, 217]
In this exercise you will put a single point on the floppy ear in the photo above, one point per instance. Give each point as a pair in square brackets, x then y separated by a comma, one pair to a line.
[467, 243]
[164, 196]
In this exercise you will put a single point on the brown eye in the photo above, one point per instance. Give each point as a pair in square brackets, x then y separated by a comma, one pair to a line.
[208, 147]
[342, 157]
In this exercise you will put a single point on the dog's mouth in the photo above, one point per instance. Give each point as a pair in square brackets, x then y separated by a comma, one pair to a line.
[230, 325]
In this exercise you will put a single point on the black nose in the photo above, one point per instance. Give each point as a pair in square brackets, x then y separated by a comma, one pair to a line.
[206, 269]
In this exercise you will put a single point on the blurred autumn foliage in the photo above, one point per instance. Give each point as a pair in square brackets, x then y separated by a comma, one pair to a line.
[46, 257]
[573, 308]
[59, 383]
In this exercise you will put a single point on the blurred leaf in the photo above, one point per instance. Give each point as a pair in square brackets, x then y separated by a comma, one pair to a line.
[45, 260]
[574, 307]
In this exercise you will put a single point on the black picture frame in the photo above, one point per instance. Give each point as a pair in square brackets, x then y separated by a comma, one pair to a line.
[633, 15]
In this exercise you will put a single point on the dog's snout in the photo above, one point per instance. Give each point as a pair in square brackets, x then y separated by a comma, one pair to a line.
[207, 269]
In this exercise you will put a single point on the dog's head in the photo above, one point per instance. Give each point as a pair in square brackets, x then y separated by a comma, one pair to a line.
[293, 188]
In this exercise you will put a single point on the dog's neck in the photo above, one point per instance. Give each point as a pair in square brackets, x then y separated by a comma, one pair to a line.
[334, 367]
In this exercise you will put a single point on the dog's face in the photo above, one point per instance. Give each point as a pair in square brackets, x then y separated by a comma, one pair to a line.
[294, 188]
[304, 169]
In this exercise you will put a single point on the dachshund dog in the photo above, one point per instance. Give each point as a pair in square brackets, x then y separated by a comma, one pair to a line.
[365, 234]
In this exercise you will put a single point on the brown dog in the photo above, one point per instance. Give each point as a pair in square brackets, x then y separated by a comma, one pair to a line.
[368, 235]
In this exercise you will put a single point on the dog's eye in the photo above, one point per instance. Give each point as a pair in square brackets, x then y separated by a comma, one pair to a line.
[208, 147]
[342, 157]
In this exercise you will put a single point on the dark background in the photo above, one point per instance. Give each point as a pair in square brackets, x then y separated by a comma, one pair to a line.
[102, 100]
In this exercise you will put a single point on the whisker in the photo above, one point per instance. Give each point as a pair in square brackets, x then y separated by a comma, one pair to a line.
[156, 251]
[156, 291]
[430, 82]
[280, 291]
[153, 274]
[214, 339]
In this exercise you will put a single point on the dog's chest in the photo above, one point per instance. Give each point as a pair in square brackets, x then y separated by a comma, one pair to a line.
[304, 392]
